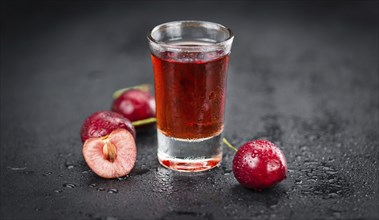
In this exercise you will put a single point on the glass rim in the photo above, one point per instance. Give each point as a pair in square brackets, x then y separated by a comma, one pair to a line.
[207, 47]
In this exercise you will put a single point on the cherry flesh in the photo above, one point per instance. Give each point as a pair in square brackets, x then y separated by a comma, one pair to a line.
[111, 156]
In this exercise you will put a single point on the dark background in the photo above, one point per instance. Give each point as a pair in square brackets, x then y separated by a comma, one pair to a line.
[302, 74]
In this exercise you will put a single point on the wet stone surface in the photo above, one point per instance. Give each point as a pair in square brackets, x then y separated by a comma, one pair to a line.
[304, 76]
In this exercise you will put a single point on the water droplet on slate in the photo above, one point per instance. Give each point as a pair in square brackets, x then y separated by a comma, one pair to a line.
[326, 168]
[337, 214]
[123, 178]
[312, 137]
[47, 174]
[16, 168]
[112, 191]
[298, 182]
[92, 185]
[273, 216]
[58, 191]
[69, 185]
[332, 195]
[100, 189]
[28, 172]
[70, 166]
[273, 206]
[331, 172]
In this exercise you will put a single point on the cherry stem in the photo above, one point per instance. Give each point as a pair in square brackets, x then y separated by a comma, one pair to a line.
[153, 120]
[144, 122]
[229, 144]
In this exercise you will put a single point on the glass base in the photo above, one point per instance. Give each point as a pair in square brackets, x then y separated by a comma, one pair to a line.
[189, 155]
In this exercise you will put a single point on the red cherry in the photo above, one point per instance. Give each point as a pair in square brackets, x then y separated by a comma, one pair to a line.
[135, 104]
[259, 164]
[102, 123]
[111, 156]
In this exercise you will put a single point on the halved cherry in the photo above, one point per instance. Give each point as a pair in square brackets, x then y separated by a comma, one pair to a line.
[111, 156]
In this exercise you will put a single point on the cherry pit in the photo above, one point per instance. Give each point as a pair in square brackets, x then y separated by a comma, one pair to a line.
[109, 143]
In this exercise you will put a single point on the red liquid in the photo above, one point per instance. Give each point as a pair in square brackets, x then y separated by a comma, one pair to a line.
[190, 96]
[190, 167]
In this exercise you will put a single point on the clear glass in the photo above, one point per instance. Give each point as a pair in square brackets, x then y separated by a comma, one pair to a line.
[190, 62]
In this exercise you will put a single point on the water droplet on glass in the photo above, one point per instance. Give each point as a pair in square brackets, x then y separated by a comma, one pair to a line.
[69, 185]
[112, 191]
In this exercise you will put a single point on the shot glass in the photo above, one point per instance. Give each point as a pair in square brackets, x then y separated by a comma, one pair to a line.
[190, 63]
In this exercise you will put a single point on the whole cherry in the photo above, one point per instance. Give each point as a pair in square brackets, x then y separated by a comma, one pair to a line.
[102, 123]
[259, 164]
[134, 104]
